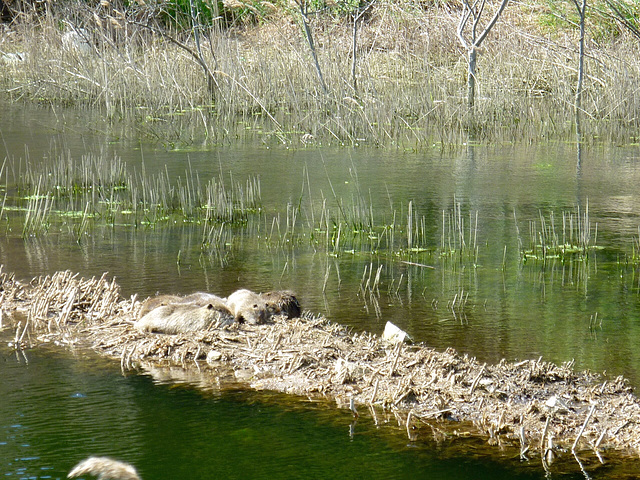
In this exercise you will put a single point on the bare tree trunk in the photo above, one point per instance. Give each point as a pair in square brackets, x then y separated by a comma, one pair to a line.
[195, 27]
[581, 10]
[471, 81]
[356, 19]
[354, 62]
[472, 10]
[305, 22]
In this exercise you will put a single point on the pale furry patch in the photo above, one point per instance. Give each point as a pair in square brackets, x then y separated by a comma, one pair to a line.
[104, 468]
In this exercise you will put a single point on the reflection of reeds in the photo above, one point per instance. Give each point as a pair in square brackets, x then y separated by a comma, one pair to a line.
[453, 241]
[369, 288]
[4, 201]
[99, 189]
[367, 284]
[82, 227]
[458, 305]
[635, 254]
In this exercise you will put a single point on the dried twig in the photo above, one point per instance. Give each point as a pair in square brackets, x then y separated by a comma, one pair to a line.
[584, 425]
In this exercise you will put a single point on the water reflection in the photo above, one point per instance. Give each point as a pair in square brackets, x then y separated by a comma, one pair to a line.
[58, 409]
[490, 304]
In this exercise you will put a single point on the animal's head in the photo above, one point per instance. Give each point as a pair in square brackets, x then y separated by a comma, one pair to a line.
[282, 303]
[253, 313]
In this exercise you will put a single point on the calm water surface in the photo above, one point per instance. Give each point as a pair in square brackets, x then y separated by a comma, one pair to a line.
[514, 309]
[58, 408]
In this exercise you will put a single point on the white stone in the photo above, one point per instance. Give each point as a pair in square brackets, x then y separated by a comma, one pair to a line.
[394, 334]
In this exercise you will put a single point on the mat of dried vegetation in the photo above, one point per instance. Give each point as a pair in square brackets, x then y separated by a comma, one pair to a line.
[541, 408]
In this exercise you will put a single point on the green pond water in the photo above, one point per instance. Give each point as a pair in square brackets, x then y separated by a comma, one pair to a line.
[61, 408]
[58, 409]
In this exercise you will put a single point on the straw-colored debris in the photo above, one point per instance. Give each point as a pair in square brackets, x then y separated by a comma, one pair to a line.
[530, 404]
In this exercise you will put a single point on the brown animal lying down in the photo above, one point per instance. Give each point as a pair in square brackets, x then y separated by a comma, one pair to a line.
[201, 299]
[256, 308]
[282, 302]
[181, 318]
[201, 310]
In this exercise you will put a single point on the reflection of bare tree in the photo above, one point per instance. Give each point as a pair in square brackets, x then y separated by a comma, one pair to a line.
[578, 141]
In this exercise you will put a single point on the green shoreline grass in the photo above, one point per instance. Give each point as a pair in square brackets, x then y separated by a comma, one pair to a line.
[410, 75]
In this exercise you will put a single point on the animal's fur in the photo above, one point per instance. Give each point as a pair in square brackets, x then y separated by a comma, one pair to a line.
[201, 299]
[104, 468]
[157, 301]
[248, 307]
[282, 302]
[181, 318]
[165, 313]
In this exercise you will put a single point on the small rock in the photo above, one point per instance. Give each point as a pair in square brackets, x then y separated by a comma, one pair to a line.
[213, 356]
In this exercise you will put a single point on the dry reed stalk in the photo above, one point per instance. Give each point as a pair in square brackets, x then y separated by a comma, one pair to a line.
[477, 379]
[584, 425]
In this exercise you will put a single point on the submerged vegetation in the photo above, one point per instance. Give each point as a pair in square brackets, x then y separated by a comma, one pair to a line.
[98, 190]
[101, 190]
[377, 73]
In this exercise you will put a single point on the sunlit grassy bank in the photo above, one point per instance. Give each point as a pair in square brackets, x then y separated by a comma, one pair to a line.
[257, 78]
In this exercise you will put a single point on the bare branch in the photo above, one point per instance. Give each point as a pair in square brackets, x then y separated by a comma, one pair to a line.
[491, 23]
[464, 18]
[622, 18]
[198, 58]
[476, 17]
[307, 30]
[474, 9]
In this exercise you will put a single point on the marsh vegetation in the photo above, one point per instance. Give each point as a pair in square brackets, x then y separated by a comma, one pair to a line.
[444, 257]
[98, 190]
[499, 251]
[306, 74]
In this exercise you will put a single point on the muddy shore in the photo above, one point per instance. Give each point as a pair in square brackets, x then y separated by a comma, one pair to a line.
[539, 408]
